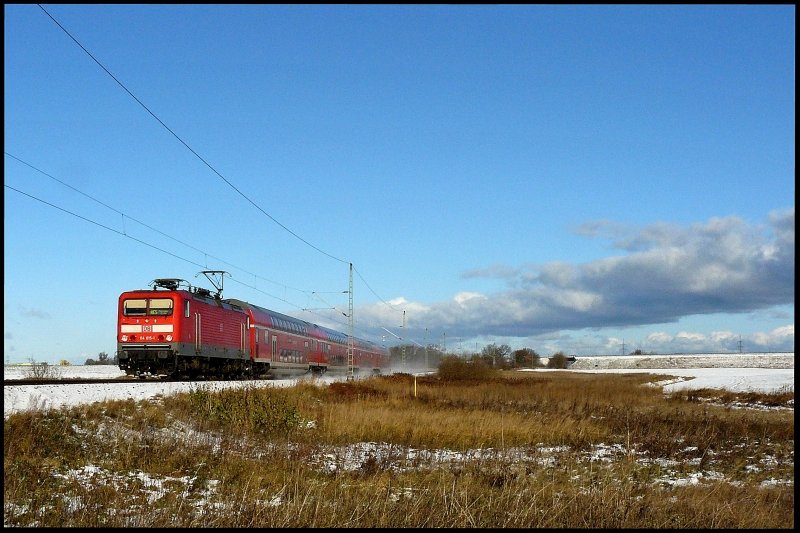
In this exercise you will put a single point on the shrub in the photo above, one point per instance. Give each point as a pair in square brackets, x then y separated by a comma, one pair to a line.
[453, 367]
[265, 411]
[42, 371]
[557, 360]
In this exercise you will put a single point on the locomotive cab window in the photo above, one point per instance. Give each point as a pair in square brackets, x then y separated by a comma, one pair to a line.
[160, 307]
[151, 307]
[135, 307]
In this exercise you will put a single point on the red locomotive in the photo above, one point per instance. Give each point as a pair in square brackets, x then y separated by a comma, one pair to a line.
[190, 333]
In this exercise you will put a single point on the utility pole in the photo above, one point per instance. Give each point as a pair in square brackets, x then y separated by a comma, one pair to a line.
[426, 349]
[740, 344]
[623, 346]
[350, 364]
[403, 346]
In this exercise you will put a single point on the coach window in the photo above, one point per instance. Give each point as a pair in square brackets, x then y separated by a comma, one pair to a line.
[186, 308]
[160, 307]
[134, 307]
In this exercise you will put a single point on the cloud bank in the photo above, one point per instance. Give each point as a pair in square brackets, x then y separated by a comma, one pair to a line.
[663, 273]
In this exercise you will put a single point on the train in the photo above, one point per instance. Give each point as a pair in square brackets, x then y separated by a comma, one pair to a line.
[175, 330]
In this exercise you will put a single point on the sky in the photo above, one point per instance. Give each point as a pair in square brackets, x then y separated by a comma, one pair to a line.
[585, 179]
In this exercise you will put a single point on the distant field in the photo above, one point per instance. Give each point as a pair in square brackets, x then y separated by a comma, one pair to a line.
[728, 360]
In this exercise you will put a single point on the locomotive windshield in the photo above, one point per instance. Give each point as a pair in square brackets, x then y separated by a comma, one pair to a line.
[147, 307]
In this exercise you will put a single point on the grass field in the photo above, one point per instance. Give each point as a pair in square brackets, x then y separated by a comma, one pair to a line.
[467, 447]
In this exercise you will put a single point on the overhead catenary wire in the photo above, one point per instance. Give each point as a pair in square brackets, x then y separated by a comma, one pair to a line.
[125, 215]
[202, 159]
[101, 225]
[184, 143]
[205, 253]
[162, 250]
[374, 293]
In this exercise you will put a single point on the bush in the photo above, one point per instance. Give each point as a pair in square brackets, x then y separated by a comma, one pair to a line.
[453, 367]
[102, 359]
[526, 357]
[263, 411]
[557, 360]
[42, 371]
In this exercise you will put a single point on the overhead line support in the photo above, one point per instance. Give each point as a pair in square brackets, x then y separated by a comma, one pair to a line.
[350, 364]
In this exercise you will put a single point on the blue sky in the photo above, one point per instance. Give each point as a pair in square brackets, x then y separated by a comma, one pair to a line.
[553, 177]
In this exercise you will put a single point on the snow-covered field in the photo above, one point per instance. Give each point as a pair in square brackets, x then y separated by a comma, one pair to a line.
[708, 360]
[27, 397]
[734, 372]
[773, 374]
[766, 372]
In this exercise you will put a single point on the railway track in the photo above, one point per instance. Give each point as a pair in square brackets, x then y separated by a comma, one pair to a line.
[78, 381]
[126, 379]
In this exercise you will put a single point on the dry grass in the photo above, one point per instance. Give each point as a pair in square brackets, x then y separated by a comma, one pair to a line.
[505, 449]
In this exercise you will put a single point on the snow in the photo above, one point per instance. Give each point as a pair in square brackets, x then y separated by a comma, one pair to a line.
[27, 397]
[765, 374]
[755, 372]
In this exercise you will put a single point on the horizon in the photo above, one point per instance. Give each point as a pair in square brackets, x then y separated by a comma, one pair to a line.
[31, 361]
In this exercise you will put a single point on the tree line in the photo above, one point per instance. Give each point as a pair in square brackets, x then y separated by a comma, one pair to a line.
[494, 356]
[501, 357]
[102, 359]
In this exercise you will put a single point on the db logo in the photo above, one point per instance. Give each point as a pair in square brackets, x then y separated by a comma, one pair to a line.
[147, 329]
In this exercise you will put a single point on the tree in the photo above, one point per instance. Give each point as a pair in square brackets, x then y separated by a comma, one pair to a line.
[102, 359]
[526, 357]
[416, 356]
[557, 360]
[496, 356]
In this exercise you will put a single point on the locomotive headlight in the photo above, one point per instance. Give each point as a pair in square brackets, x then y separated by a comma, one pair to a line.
[169, 338]
[124, 338]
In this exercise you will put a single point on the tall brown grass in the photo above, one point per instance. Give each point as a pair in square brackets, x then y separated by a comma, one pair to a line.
[530, 448]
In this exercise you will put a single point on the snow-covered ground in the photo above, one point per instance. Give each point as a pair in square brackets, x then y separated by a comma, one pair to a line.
[26, 397]
[351, 457]
[708, 360]
[751, 372]
[736, 372]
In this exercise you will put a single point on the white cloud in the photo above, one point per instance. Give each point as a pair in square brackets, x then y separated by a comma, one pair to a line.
[668, 272]
[659, 337]
[462, 297]
[723, 336]
[774, 336]
[784, 331]
[694, 337]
